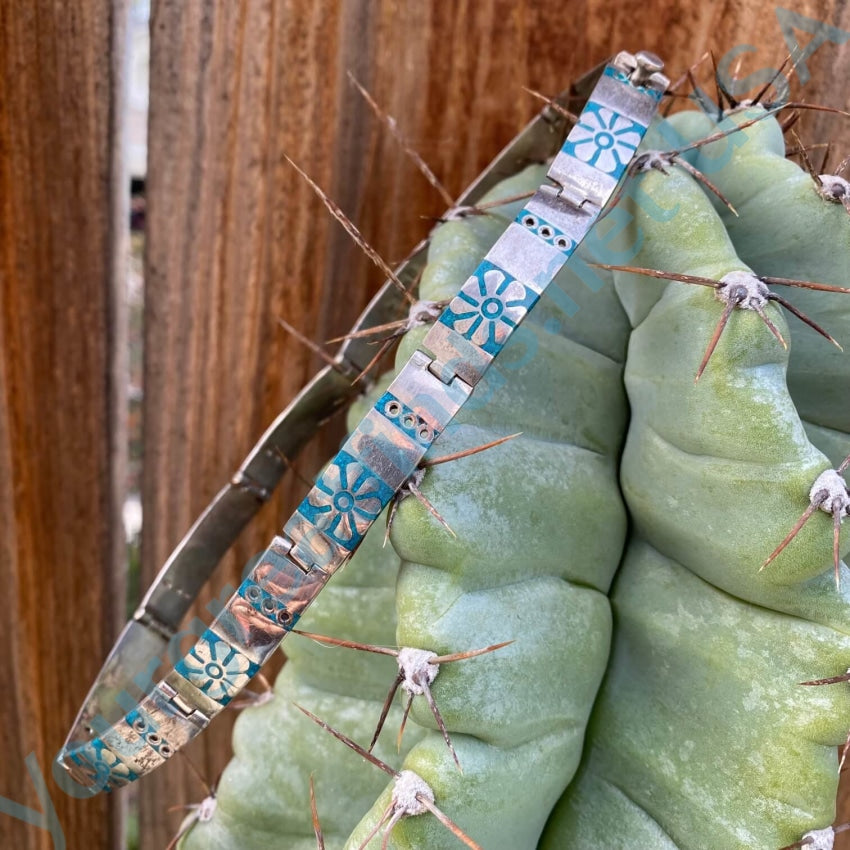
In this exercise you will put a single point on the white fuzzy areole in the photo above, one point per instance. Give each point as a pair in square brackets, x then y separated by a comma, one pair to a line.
[836, 487]
[821, 839]
[418, 667]
[422, 313]
[408, 787]
[834, 188]
[743, 289]
[206, 809]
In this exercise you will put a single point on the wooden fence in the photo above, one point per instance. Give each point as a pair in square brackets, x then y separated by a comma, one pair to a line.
[235, 240]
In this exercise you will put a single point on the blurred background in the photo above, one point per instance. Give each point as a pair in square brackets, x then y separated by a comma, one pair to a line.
[151, 235]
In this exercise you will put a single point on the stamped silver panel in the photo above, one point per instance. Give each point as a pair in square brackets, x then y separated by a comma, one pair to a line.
[527, 257]
[311, 548]
[123, 740]
[242, 626]
[436, 402]
[132, 748]
[188, 696]
[548, 204]
[385, 449]
[292, 584]
[628, 100]
[581, 183]
[171, 723]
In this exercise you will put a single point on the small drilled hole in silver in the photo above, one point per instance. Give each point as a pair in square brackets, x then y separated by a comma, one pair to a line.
[165, 750]
[253, 593]
[268, 605]
[393, 408]
[425, 433]
[530, 221]
[546, 232]
[139, 724]
[284, 616]
[154, 738]
[409, 421]
[561, 242]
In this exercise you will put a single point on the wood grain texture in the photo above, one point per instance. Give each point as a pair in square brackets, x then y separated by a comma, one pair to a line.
[61, 442]
[236, 239]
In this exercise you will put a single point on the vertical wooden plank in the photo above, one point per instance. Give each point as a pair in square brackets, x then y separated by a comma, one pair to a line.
[61, 439]
[236, 240]
[226, 255]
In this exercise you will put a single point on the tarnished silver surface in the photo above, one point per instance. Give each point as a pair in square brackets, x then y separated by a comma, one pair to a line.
[242, 625]
[580, 183]
[171, 723]
[117, 737]
[458, 354]
[311, 548]
[436, 402]
[386, 449]
[187, 697]
[548, 206]
[524, 255]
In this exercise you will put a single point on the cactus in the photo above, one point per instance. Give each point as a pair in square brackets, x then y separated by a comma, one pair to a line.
[708, 650]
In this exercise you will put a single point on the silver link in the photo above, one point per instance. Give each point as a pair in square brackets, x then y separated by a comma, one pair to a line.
[581, 184]
[434, 399]
[527, 257]
[312, 549]
[186, 698]
[454, 356]
[390, 453]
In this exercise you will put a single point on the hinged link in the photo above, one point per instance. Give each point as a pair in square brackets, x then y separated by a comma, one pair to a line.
[184, 707]
[292, 552]
[574, 194]
[289, 550]
[448, 376]
[443, 371]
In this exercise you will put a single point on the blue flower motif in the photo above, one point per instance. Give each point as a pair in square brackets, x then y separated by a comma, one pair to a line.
[346, 500]
[108, 770]
[488, 307]
[604, 139]
[216, 668]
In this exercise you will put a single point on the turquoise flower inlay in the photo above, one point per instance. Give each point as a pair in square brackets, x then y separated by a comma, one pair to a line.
[346, 500]
[109, 771]
[604, 139]
[216, 668]
[488, 307]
